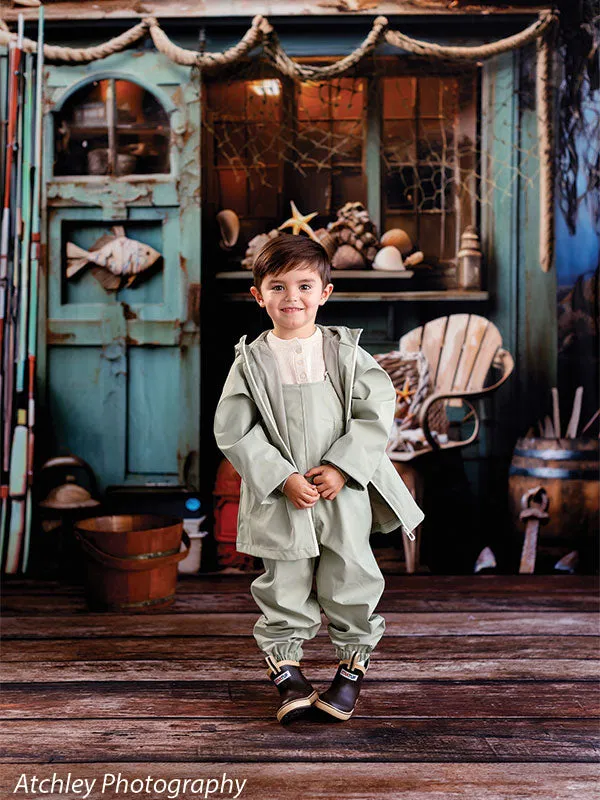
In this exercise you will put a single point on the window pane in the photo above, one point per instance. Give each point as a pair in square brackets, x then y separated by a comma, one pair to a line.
[399, 146]
[263, 193]
[430, 97]
[435, 141]
[232, 190]
[435, 193]
[314, 142]
[230, 142]
[399, 98]
[347, 98]
[348, 185]
[227, 100]
[400, 189]
[263, 144]
[430, 236]
[263, 100]
[313, 101]
[310, 193]
[347, 141]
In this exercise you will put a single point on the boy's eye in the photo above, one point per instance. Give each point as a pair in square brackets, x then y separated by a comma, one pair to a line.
[306, 286]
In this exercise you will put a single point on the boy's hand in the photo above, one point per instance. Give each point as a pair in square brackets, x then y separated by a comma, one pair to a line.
[301, 493]
[328, 480]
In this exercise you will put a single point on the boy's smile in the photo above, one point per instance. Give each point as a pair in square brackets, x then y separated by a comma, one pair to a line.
[292, 300]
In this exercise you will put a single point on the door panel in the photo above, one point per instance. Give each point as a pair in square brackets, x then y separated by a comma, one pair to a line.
[120, 364]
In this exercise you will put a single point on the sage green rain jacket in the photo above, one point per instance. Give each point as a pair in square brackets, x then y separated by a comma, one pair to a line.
[251, 431]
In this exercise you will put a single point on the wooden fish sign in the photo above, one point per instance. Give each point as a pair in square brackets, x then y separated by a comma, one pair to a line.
[118, 260]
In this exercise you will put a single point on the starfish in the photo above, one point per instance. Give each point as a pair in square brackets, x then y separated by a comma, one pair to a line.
[405, 393]
[299, 222]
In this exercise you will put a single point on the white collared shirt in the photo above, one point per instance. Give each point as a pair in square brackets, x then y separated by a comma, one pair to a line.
[299, 360]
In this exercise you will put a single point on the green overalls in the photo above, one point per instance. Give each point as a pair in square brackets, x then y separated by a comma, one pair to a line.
[349, 583]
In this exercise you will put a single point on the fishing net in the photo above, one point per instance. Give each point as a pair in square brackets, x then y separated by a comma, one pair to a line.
[404, 137]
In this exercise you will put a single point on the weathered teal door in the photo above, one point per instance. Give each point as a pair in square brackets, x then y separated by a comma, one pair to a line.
[122, 355]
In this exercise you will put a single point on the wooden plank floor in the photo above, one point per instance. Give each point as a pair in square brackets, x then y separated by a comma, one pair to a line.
[484, 687]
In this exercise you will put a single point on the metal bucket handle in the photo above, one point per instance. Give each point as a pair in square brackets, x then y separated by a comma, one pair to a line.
[135, 563]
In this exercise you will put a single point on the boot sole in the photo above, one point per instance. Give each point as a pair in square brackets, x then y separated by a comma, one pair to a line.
[296, 708]
[332, 710]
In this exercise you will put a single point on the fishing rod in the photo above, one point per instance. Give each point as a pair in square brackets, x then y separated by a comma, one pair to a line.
[35, 271]
[12, 192]
[18, 455]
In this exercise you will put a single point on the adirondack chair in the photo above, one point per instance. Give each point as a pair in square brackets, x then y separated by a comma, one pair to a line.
[461, 350]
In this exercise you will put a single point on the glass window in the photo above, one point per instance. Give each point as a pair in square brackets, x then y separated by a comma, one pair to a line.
[271, 141]
[111, 127]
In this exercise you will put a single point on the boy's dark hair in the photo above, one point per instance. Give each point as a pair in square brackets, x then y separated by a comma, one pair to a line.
[286, 252]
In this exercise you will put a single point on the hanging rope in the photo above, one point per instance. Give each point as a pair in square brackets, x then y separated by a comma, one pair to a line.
[545, 130]
[190, 58]
[261, 32]
[292, 69]
[545, 20]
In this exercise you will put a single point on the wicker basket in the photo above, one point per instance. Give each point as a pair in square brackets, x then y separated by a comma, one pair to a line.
[411, 378]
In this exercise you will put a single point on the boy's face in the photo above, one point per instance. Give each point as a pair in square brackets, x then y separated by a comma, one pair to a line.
[292, 300]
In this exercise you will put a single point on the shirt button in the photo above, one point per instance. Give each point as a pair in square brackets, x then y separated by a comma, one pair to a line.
[303, 376]
[299, 349]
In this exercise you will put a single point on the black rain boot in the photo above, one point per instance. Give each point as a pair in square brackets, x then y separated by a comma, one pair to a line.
[339, 700]
[296, 693]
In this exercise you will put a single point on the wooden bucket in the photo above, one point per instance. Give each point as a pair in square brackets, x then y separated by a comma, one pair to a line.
[131, 560]
[568, 470]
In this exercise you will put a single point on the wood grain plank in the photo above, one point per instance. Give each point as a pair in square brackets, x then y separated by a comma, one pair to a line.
[492, 340]
[411, 341]
[450, 357]
[423, 648]
[223, 583]
[473, 338]
[380, 740]
[448, 699]
[410, 781]
[249, 668]
[432, 343]
[424, 624]
[391, 601]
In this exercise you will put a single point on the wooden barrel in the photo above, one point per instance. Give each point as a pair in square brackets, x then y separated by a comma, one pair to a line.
[131, 560]
[568, 470]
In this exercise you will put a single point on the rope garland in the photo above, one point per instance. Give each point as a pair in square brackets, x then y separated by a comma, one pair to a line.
[261, 32]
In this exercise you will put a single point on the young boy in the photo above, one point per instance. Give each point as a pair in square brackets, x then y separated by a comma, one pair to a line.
[304, 417]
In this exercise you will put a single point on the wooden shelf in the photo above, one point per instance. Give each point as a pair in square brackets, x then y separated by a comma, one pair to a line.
[453, 295]
[336, 274]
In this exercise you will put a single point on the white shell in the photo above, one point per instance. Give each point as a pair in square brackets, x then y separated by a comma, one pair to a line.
[389, 258]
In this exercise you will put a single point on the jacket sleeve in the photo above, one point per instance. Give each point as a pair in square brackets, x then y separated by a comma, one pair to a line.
[241, 438]
[359, 451]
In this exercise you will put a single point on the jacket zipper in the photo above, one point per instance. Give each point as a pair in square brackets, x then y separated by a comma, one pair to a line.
[274, 425]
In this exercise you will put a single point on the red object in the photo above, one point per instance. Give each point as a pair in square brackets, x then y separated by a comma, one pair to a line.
[227, 503]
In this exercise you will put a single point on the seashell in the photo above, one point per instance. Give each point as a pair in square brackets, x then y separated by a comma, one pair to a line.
[397, 238]
[255, 244]
[229, 224]
[388, 258]
[414, 258]
[346, 257]
[327, 241]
